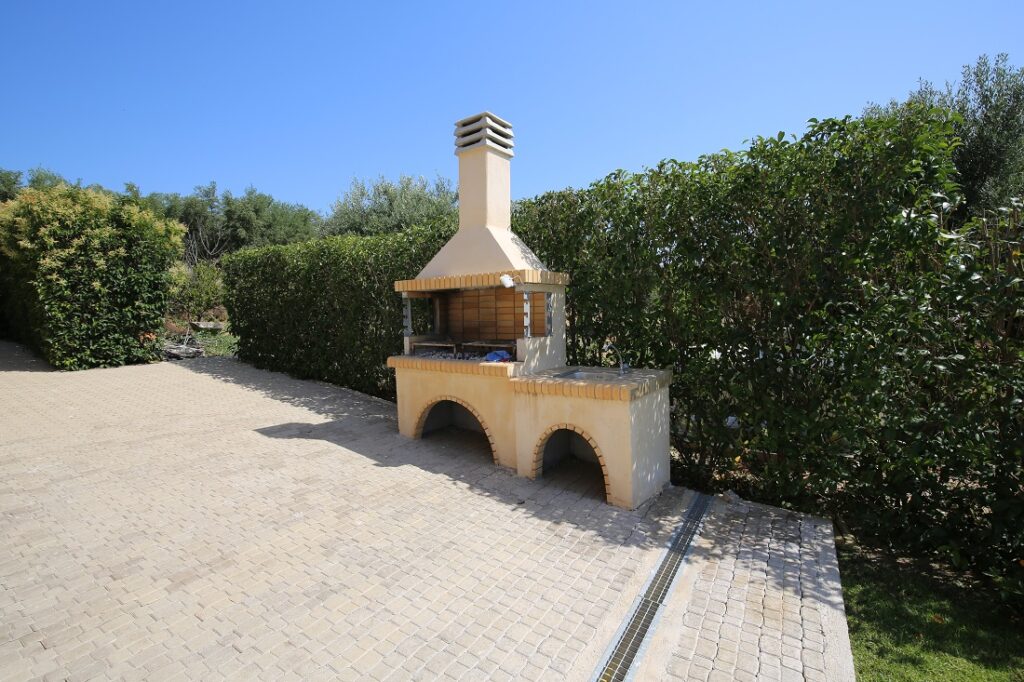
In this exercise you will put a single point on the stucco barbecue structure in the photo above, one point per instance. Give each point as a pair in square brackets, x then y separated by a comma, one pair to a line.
[486, 292]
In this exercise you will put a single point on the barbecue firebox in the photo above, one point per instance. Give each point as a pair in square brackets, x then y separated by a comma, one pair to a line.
[493, 354]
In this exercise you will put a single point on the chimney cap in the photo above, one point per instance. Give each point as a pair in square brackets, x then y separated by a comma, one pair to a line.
[484, 130]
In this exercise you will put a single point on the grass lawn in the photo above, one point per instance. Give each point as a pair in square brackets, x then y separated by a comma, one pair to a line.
[909, 623]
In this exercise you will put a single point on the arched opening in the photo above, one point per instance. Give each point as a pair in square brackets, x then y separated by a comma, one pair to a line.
[453, 423]
[568, 458]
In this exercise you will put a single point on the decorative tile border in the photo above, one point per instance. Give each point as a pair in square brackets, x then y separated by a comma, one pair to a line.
[638, 384]
[626, 388]
[483, 280]
[494, 369]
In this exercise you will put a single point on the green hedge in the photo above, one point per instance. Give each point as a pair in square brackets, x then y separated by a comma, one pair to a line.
[83, 275]
[327, 309]
[838, 346]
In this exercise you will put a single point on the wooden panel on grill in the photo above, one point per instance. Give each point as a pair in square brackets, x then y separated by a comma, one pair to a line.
[538, 314]
[471, 314]
[505, 314]
[442, 316]
[506, 298]
[488, 314]
[454, 307]
[486, 308]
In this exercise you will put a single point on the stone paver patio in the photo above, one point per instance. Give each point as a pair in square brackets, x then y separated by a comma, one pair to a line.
[207, 520]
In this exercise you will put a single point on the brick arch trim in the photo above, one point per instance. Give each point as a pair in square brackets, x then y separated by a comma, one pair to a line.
[538, 452]
[422, 421]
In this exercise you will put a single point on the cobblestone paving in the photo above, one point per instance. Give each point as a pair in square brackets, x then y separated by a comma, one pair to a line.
[759, 599]
[207, 520]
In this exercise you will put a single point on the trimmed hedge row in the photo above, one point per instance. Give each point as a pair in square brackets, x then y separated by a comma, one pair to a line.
[83, 275]
[838, 345]
[327, 309]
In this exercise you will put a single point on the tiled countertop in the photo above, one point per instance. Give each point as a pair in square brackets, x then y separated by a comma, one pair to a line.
[607, 384]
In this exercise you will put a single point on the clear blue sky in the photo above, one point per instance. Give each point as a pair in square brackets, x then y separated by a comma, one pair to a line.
[298, 98]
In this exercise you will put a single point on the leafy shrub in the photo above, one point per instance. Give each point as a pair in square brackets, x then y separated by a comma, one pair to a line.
[989, 102]
[836, 347]
[195, 290]
[221, 222]
[385, 206]
[85, 275]
[327, 309]
[10, 183]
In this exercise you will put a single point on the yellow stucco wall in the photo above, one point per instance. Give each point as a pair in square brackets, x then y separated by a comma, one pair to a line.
[649, 420]
[490, 398]
[485, 187]
[604, 422]
[629, 436]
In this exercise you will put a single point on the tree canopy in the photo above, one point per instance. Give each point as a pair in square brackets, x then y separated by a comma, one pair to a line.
[222, 222]
[10, 183]
[385, 206]
[989, 101]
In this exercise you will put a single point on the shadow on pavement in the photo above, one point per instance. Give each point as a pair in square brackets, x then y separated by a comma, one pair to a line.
[15, 357]
[368, 427]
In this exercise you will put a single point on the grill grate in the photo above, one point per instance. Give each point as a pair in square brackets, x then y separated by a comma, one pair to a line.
[617, 666]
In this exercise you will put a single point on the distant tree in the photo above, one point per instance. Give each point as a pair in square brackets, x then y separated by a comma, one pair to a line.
[990, 101]
[10, 183]
[257, 219]
[389, 207]
[220, 223]
[42, 178]
[201, 212]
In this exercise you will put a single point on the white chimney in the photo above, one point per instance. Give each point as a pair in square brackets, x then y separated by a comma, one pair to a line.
[484, 144]
[484, 243]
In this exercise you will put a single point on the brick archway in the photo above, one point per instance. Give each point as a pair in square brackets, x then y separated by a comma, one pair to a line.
[538, 453]
[421, 422]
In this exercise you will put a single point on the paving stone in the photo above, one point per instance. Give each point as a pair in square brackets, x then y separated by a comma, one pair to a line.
[813, 660]
[206, 519]
[747, 662]
[751, 613]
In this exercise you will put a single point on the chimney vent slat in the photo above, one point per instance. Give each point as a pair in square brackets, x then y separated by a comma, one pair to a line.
[484, 129]
[497, 119]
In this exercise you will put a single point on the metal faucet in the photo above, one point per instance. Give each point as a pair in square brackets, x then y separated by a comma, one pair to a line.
[622, 365]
